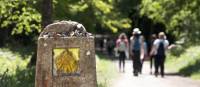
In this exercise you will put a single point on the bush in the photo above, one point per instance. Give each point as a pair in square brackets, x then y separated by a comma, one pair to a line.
[13, 68]
[22, 78]
[188, 62]
[177, 50]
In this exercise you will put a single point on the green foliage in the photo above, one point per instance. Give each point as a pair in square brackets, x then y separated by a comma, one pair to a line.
[12, 60]
[14, 71]
[180, 17]
[187, 63]
[91, 13]
[22, 78]
[177, 51]
[106, 71]
[20, 16]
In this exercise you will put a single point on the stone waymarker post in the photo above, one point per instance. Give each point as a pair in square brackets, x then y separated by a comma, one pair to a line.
[66, 56]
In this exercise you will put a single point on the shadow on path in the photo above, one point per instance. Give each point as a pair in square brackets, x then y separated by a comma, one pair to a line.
[172, 74]
[187, 71]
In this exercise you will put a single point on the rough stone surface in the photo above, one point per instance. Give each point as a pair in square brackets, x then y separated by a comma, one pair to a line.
[65, 29]
[65, 34]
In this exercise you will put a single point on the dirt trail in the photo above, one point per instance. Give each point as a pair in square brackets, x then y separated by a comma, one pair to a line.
[127, 79]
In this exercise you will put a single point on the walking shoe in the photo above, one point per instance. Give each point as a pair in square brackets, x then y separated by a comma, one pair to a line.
[135, 74]
[156, 74]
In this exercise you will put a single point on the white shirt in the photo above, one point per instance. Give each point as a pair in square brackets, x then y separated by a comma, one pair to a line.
[122, 46]
[156, 45]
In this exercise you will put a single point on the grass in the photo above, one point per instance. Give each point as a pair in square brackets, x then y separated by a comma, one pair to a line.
[15, 73]
[187, 64]
[106, 71]
[11, 61]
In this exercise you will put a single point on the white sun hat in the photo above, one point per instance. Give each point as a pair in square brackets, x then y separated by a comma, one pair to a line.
[136, 31]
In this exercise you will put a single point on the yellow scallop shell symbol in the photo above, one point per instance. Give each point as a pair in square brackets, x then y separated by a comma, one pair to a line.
[66, 60]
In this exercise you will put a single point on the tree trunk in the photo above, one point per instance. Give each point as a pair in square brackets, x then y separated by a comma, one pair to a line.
[46, 11]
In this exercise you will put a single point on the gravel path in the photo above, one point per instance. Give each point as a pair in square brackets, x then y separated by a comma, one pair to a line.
[127, 79]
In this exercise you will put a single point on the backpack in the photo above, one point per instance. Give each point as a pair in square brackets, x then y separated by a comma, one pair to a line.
[161, 49]
[136, 46]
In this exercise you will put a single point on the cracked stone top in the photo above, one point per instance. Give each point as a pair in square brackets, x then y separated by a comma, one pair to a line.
[65, 29]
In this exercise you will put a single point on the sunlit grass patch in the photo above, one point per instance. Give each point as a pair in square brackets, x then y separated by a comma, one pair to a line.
[11, 61]
[196, 75]
[187, 64]
[106, 71]
[14, 71]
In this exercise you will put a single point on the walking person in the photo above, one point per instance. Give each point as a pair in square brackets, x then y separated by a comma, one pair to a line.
[144, 52]
[135, 50]
[159, 50]
[122, 45]
[110, 46]
[153, 38]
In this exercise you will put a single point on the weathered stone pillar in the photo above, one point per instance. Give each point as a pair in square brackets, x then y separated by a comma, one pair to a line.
[66, 56]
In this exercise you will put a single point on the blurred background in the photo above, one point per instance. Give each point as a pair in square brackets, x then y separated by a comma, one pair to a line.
[21, 22]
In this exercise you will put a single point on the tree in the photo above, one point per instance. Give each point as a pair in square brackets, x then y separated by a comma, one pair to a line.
[20, 19]
[180, 17]
[92, 13]
[20, 16]
[47, 11]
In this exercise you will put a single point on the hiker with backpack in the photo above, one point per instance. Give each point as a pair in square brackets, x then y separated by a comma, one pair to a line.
[122, 46]
[135, 50]
[159, 50]
[153, 38]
